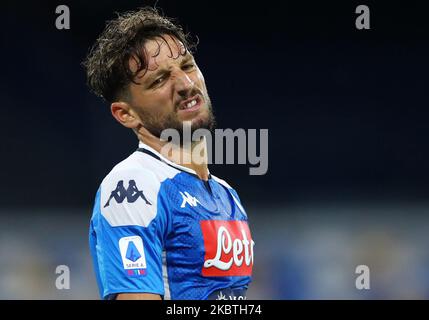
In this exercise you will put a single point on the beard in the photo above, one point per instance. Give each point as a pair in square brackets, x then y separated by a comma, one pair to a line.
[156, 125]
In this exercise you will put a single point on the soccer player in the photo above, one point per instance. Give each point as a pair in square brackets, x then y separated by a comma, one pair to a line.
[162, 228]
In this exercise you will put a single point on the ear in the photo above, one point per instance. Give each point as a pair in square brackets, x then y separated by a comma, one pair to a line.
[123, 113]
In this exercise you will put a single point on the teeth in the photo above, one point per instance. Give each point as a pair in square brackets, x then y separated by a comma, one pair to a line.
[191, 104]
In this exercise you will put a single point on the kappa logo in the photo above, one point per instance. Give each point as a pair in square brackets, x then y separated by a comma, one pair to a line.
[188, 199]
[132, 193]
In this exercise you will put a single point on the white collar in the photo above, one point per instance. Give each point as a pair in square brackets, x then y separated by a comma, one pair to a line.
[167, 161]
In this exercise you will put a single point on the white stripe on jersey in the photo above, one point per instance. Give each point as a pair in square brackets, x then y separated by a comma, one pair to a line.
[167, 295]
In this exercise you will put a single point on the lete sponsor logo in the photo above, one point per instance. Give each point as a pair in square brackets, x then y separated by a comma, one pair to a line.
[228, 248]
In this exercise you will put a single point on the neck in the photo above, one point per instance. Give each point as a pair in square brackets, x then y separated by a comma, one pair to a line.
[192, 155]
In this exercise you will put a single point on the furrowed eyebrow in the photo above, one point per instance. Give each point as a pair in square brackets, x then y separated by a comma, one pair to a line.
[157, 73]
[187, 58]
[160, 71]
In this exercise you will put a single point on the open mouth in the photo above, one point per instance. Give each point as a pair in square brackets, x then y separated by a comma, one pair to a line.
[191, 104]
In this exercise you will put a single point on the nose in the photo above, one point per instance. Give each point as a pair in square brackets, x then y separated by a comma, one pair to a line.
[184, 84]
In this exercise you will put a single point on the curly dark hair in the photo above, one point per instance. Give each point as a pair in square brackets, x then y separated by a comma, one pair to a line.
[107, 64]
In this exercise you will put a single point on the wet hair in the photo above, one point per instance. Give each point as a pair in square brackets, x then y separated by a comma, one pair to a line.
[107, 64]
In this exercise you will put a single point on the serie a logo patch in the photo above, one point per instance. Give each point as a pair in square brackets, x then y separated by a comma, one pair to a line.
[133, 256]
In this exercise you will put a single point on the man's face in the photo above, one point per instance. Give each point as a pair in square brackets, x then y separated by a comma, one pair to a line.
[172, 90]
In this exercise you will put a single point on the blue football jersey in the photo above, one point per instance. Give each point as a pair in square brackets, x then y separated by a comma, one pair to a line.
[158, 228]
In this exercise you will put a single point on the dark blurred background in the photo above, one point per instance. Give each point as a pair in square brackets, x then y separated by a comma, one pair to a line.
[347, 113]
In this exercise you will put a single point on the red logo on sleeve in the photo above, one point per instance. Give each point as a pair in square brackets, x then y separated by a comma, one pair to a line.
[228, 248]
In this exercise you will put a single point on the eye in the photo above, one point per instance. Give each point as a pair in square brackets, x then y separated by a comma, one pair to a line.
[188, 66]
[158, 81]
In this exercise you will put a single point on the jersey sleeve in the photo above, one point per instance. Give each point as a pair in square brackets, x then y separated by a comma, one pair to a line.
[127, 233]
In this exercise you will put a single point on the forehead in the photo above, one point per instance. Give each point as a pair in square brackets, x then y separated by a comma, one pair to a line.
[164, 50]
[160, 51]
